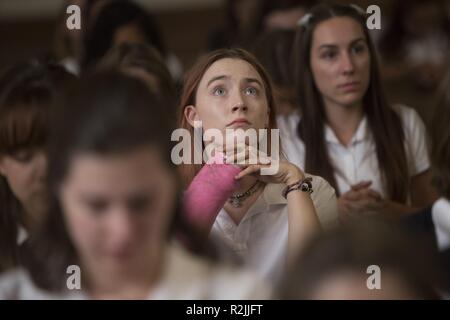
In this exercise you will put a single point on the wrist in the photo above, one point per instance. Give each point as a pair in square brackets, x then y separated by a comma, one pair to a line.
[304, 185]
[294, 176]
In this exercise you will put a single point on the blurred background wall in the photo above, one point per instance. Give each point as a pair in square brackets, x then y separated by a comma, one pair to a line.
[27, 29]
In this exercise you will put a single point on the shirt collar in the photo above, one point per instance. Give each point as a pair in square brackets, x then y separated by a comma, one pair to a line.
[272, 194]
[179, 270]
[361, 134]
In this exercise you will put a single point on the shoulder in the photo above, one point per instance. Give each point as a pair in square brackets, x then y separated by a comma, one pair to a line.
[415, 139]
[237, 283]
[322, 185]
[325, 201]
[191, 277]
[292, 146]
[409, 116]
[288, 123]
[18, 285]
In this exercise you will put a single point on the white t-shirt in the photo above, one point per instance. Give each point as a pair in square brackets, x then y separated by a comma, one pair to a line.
[358, 161]
[440, 213]
[184, 277]
[261, 237]
[22, 235]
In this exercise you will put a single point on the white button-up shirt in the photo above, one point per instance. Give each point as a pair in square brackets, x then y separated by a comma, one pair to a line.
[440, 213]
[358, 161]
[184, 276]
[261, 237]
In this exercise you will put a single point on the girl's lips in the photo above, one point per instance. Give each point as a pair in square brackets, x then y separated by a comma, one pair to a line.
[239, 123]
[349, 86]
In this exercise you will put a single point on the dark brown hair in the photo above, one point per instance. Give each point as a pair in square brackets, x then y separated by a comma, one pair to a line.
[274, 49]
[106, 113]
[394, 40]
[354, 247]
[143, 57]
[190, 87]
[384, 123]
[114, 15]
[440, 140]
[27, 93]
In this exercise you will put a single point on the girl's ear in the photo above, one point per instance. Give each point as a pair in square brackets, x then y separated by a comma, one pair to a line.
[191, 115]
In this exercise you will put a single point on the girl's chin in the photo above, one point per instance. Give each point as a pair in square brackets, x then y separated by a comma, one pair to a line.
[351, 98]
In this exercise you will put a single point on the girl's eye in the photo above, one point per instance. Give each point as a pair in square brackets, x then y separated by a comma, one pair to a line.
[251, 91]
[139, 204]
[23, 156]
[358, 49]
[329, 55]
[97, 207]
[219, 91]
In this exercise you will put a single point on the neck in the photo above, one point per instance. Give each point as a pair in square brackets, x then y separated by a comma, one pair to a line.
[33, 215]
[123, 284]
[344, 120]
[237, 214]
[245, 183]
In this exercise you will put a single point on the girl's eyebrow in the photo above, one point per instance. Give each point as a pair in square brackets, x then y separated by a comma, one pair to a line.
[253, 80]
[217, 78]
[323, 46]
[221, 77]
[356, 41]
[331, 45]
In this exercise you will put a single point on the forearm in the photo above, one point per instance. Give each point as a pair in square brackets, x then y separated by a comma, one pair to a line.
[303, 222]
[397, 209]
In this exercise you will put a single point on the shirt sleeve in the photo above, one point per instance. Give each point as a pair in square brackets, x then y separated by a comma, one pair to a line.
[416, 141]
[325, 202]
[292, 147]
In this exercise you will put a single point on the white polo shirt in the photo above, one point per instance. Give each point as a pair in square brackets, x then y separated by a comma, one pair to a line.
[261, 237]
[440, 214]
[358, 161]
[185, 277]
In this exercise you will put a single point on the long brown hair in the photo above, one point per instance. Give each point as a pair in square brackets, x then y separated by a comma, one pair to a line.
[384, 123]
[440, 139]
[355, 246]
[106, 113]
[143, 57]
[190, 87]
[27, 92]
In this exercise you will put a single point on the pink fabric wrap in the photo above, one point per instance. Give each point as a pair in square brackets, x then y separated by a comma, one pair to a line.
[209, 191]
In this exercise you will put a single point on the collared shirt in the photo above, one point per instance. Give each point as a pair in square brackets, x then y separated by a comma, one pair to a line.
[184, 277]
[188, 277]
[440, 213]
[22, 235]
[261, 237]
[358, 161]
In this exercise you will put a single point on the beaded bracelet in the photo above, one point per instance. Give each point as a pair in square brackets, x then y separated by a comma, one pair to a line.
[304, 185]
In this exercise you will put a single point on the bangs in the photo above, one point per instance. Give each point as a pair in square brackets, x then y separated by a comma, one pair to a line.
[23, 126]
[27, 93]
